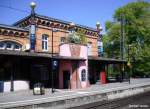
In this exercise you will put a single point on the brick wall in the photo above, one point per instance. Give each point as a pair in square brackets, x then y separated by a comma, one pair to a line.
[56, 37]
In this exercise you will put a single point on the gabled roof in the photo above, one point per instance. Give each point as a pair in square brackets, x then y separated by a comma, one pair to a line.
[55, 20]
[23, 19]
[13, 27]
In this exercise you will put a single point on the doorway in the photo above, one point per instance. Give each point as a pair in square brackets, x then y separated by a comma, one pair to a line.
[66, 78]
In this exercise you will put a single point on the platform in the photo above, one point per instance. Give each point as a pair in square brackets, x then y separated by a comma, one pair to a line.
[71, 98]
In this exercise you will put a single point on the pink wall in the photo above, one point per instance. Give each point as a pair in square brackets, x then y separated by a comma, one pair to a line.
[64, 50]
[75, 76]
[64, 65]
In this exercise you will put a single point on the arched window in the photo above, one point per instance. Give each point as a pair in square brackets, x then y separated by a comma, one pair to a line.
[83, 75]
[10, 45]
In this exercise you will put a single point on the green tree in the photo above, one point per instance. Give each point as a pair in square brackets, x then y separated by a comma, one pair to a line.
[137, 34]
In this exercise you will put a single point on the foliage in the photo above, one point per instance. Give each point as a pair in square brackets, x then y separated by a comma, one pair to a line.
[74, 38]
[82, 36]
[77, 37]
[137, 34]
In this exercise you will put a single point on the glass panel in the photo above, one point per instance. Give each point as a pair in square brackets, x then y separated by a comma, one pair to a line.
[89, 48]
[45, 37]
[8, 46]
[83, 75]
[44, 42]
[16, 47]
[1, 45]
[45, 45]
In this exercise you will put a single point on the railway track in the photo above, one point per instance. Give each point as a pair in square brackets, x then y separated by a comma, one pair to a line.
[140, 101]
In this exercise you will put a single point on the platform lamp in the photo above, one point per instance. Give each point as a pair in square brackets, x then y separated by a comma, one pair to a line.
[99, 41]
[33, 26]
[129, 61]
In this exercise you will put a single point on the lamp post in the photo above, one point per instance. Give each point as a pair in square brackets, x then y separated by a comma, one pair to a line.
[112, 44]
[122, 49]
[54, 63]
[99, 41]
[129, 63]
[32, 28]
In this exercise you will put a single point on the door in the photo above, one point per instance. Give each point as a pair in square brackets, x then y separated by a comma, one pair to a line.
[66, 79]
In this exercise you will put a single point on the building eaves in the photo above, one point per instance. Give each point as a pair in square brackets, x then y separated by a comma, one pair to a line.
[55, 20]
[65, 22]
[13, 27]
[16, 23]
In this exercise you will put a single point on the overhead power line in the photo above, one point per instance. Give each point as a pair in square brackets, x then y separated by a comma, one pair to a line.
[9, 7]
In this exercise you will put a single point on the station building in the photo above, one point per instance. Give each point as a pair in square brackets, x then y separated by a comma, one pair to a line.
[75, 65]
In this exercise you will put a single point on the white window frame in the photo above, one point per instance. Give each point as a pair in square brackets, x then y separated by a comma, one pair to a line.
[44, 41]
[16, 48]
[12, 46]
[89, 45]
[3, 46]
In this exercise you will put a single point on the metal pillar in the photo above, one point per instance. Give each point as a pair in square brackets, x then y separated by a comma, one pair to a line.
[122, 45]
[52, 66]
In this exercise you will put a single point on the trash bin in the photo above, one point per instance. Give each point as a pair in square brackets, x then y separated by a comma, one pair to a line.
[38, 89]
[1, 86]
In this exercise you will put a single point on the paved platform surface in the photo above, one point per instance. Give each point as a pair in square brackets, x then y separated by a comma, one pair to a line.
[27, 96]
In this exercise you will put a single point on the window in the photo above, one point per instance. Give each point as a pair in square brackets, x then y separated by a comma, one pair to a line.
[17, 47]
[9, 45]
[2, 45]
[45, 42]
[63, 40]
[83, 75]
[89, 48]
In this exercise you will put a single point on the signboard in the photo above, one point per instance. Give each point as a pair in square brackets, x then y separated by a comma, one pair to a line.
[54, 64]
[32, 41]
[32, 37]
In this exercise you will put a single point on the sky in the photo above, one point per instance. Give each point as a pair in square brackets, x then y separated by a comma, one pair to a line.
[84, 12]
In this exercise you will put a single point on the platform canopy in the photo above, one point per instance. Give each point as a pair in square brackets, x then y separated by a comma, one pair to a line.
[106, 60]
[37, 54]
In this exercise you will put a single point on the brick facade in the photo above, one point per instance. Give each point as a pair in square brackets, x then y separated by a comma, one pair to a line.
[44, 25]
[72, 58]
